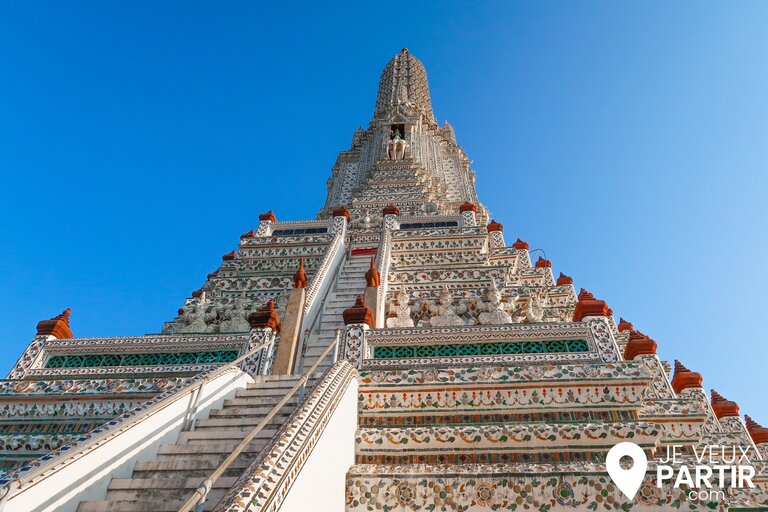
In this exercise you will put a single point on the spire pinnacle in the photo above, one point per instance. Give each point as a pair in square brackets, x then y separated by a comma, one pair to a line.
[722, 406]
[685, 378]
[403, 88]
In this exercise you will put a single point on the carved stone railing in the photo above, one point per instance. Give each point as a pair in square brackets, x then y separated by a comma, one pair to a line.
[276, 475]
[382, 258]
[332, 258]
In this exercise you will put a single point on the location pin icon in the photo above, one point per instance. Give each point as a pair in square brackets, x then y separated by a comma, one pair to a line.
[627, 480]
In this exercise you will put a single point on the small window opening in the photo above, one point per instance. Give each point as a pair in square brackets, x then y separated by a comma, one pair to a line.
[398, 129]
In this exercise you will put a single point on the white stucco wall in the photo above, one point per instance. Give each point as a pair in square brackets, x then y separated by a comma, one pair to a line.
[320, 485]
[87, 478]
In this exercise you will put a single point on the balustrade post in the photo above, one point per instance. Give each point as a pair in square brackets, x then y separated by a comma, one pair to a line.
[265, 326]
[357, 319]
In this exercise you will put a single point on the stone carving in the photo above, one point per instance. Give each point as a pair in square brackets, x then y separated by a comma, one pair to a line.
[444, 313]
[400, 311]
[528, 310]
[236, 318]
[396, 147]
[195, 321]
[493, 309]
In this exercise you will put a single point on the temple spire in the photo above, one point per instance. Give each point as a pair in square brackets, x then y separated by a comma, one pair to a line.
[403, 87]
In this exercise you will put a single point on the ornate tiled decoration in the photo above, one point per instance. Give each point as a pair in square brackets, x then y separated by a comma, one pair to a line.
[498, 443]
[517, 487]
[478, 390]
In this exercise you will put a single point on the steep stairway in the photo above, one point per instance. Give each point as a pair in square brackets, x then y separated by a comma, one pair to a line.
[165, 483]
[350, 284]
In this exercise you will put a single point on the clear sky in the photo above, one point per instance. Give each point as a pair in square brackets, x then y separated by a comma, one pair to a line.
[138, 140]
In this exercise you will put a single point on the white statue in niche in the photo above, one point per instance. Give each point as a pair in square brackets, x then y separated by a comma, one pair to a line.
[493, 308]
[400, 311]
[444, 313]
[236, 317]
[396, 147]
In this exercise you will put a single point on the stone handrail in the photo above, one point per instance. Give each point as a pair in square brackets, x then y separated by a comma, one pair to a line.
[318, 278]
[198, 498]
[263, 485]
[383, 256]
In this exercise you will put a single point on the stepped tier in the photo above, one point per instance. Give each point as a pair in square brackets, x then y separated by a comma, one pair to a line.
[471, 378]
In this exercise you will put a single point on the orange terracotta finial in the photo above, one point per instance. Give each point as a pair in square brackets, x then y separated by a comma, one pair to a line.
[229, 256]
[625, 326]
[563, 280]
[759, 433]
[270, 216]
[588, 305]
[359, 313]
[372, 277]
[467, 207]
[722, 406]
[639, 344]
[57, 326]
[520, 245]
[684, 378]
[213, 274]
[495, 226]
[341, 211]
[266, 317]
[542, 263]
[300, 277]
[391, 209]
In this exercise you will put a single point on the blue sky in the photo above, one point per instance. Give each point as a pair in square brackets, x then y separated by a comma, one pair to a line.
[628, 140]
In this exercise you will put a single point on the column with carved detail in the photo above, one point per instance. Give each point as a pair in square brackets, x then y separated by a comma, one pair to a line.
[357, 319]
[468, 212]
[391, 214]
[496, 235]
[265, 326]
[266, 223]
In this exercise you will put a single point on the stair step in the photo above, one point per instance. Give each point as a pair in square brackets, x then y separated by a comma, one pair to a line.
[213, 434]
[191, 460]
[257, 401]
[169, 495]
[214, 447]
[190, 468]
[229, 412]
[239, 421]
[281, 384]
[138, 506]
[263, 393]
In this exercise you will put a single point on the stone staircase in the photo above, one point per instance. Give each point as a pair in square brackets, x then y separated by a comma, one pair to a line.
[165, 483]
[350, 284]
